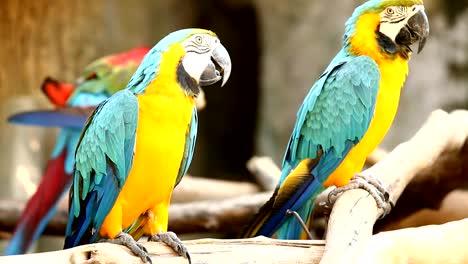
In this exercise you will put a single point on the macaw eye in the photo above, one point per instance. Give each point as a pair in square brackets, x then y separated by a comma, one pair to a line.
[198, 39]
[389, 11]
[92, 76]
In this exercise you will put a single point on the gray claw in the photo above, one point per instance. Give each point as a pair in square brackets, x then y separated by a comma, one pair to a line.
[373, 186]
[127, 240]
[171, 239]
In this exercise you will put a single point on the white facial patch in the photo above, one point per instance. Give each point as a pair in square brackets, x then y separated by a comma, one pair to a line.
[195, 63]
[393, 18]
[199, 48]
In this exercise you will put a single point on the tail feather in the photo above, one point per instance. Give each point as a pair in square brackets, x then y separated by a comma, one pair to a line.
[66, 117]
[293, 193]
[41, 207]
[260, 218]
[292, 229]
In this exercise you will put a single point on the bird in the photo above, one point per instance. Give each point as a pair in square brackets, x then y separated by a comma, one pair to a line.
[73, 104]
[346, 113]
[138, 144]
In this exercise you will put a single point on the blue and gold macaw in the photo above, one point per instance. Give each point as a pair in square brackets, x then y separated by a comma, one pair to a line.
[347, 112]
[138, 144]
[99, 80]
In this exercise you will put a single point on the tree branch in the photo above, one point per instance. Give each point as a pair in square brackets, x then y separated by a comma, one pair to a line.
[254, 250]
[265, 172]
[355, 211]
[430, 186]
[424, 245]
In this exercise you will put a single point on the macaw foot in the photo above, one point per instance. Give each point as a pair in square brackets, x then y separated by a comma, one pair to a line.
[371, 185]
[171, 239]
[290, 212]
[127, 240]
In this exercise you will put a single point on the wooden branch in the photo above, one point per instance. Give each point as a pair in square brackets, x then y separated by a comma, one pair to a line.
[430, 186]
[226, 216]
[193, 188]
[453, 207]
[254, 250]
[424, 245]
[377, 155]
[355, 212]
[265, 171]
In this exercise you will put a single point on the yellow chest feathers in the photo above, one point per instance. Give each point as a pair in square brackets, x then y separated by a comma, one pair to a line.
[393, 67]
[393, 71]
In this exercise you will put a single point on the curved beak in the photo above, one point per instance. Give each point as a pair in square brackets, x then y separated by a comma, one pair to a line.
[218, 68]
[419, 26]
[416, 29]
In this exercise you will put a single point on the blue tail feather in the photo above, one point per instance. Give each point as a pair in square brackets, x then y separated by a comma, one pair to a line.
[49, 119]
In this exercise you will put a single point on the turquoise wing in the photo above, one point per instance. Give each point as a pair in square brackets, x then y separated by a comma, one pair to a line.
[332, 119]
[103, 160]
[337, 111]
[190, 139]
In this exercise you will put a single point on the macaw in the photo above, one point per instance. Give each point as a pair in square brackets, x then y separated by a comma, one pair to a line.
[346, 113]
[138, 144]
[99, 80]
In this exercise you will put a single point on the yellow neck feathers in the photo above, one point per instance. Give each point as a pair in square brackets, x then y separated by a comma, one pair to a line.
[393, 68]
[166, 80]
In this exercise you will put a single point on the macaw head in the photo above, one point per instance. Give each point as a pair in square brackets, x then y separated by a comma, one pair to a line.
[395, 24]
[192, 57]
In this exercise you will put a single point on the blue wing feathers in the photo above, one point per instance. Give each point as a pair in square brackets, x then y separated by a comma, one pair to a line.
[334, 117]
[104, 150]
[189, 146]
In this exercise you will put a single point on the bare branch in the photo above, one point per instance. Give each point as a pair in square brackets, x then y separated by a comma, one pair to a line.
[355, 212]
[193, 189]
[254, 250]
[430, 186]
[265, 171]
[424, 245]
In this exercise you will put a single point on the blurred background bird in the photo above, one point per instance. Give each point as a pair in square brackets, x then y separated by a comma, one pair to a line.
[99, 80]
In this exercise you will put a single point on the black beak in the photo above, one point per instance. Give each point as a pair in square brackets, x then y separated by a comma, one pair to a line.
[218, 68]
[417, 29]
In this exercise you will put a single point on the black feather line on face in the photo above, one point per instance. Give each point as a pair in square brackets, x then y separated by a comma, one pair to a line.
[386, 43]
[186, 81]
[389, 46]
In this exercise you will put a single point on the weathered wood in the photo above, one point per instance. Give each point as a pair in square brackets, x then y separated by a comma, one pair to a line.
[424, 245]
[430, 186]
[193, 189]
[454, 207]
[225, 216]
[355, 212]
[377, 155]
[265, 172]
[255, 250]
